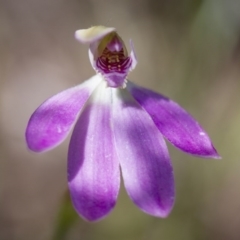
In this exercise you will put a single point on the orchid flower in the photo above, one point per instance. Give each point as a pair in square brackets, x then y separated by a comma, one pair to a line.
[117, 123]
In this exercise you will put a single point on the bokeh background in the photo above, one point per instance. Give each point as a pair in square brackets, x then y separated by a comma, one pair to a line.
[188, 50]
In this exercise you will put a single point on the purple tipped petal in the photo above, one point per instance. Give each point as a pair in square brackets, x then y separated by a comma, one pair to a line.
[143, 156]
[174, 123]
[52, 121]
[93, 168]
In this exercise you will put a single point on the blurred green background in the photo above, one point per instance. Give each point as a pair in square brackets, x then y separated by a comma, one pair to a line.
[188, 50]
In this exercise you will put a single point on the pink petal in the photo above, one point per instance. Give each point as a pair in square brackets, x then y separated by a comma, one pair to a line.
[93, 168]
[178, 126]
[133, 55]
[143, 156]
[52, 121]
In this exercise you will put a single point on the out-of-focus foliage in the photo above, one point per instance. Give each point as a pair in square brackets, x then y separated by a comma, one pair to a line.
[65, 220]
[188, 50]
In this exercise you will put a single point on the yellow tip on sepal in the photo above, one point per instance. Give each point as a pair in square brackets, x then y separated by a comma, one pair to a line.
[93, 34]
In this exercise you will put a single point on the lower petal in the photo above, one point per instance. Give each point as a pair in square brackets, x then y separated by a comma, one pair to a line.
[178, 126]
[143, 156]
[50, 124]
[93, 168]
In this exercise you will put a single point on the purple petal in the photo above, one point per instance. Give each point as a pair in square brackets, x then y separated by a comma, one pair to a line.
[93, 168]
[52, 121]
[143, 156]
[174, 123]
